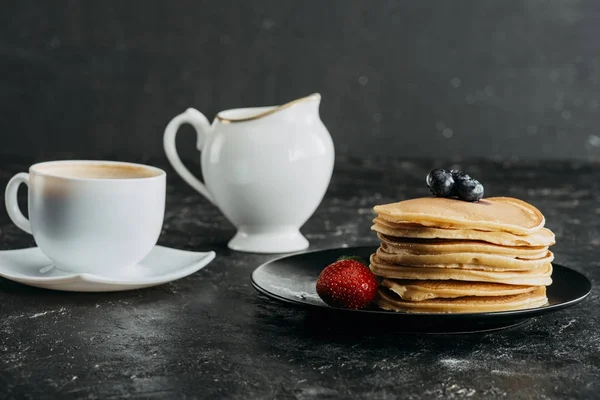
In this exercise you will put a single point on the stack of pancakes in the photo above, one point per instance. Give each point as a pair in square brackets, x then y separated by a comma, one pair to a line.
[447, 255]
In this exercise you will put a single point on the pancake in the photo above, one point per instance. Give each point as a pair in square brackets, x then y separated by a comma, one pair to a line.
[504, 214]
[425, 290]
[536, 277]
[542, 237]
[489, 262]
[442, 246]
[388, 300]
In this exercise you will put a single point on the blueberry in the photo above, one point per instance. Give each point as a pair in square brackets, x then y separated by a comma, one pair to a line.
[440, 182]
[458, 175]
[469, 189]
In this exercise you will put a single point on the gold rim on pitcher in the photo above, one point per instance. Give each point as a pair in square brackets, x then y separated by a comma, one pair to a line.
[314, 96]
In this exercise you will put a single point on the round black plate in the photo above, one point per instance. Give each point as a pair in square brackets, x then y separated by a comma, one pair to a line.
[292, 279]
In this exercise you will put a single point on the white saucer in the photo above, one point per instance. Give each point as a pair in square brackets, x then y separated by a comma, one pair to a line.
[31, 267]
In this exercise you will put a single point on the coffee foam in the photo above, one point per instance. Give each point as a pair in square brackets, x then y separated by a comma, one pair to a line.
[98, 171]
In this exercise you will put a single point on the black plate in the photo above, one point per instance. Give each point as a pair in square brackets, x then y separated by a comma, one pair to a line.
[292, 279]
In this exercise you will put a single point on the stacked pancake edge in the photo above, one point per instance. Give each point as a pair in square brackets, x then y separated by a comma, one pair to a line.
[443, 255]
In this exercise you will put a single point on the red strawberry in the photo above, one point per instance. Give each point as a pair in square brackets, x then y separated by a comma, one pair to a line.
[347, 283]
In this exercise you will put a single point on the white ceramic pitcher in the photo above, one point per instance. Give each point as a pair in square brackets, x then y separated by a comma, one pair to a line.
[265, 168]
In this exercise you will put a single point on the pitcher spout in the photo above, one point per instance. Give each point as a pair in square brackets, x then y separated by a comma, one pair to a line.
[315, 98]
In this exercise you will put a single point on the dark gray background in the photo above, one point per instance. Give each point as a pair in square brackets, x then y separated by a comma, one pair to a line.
[514, 79]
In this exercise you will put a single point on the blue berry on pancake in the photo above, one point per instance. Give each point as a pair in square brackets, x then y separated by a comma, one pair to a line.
[458, 175]
[470, 190]
[454, 183]
[440, 182]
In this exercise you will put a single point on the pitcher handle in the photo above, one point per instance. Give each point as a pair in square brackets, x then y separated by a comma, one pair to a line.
[199, 122]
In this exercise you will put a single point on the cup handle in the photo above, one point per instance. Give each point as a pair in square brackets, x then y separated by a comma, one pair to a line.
[202, 126]
[12, 205]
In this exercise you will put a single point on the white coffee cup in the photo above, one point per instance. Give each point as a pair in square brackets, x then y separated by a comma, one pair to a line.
[96, 217]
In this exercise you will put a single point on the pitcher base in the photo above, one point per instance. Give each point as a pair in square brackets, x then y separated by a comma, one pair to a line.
[271, 242]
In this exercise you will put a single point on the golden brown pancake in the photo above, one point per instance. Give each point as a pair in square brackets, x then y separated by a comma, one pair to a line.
[543, 237]
[388, 300]
[414, 290]
[536, 277]
[443, 255]
[444, 246]
[490, 214]
[488, 262]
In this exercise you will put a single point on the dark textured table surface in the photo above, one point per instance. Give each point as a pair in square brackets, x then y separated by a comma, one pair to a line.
[210, 335]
